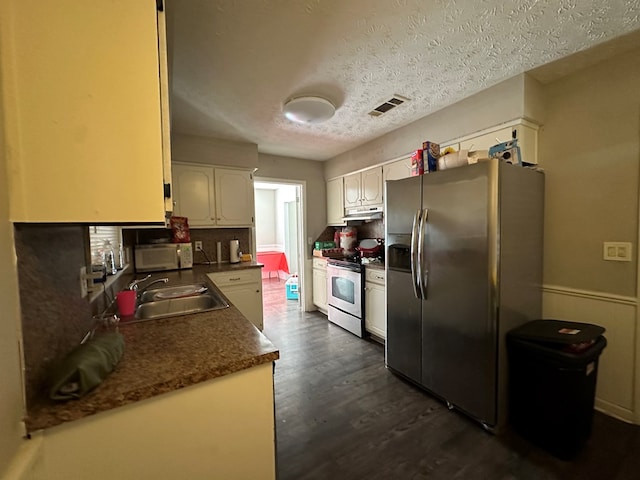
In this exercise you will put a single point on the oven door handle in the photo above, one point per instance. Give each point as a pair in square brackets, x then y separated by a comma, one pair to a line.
[415, 264]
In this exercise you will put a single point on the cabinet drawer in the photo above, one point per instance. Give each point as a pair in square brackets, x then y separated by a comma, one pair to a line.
[236, 277]
[375, 276]
[320, 263]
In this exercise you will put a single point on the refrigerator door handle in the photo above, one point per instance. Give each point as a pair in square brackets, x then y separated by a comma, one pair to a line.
[424, 273]
[415, 265]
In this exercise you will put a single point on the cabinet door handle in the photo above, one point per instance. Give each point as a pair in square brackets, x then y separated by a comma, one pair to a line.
[234, 279]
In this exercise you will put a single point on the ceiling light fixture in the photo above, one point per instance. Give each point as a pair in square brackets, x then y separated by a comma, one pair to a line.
[308, 109]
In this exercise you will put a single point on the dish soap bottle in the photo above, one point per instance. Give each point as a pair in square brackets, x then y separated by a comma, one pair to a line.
[109, 258]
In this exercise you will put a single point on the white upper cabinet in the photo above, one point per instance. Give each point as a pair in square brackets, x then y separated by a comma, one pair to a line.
[397, 170]
[83, 110]
[526, 133]
[235, 204]
[193, 194]
[335, 201]
[363, 188]
[212, 196]
[487, 140]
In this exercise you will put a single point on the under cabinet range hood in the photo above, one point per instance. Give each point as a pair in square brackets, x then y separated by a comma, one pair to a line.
[363, 213]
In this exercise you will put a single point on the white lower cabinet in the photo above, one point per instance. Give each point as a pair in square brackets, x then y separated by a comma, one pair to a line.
[320, 284]
[169, 434]
[375, 307]
[243, 289]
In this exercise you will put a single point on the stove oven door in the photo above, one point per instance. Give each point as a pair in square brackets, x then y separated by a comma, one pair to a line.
[344, 290]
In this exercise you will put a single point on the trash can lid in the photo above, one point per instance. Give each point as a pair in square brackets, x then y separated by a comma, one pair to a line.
[557, 331]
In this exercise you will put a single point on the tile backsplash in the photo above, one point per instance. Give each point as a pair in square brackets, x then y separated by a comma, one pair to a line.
[55, 317]
[372, 229]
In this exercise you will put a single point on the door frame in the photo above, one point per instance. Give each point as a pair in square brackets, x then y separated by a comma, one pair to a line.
[302, 233]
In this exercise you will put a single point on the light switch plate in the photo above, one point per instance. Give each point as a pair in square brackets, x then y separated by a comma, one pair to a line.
[617, 251]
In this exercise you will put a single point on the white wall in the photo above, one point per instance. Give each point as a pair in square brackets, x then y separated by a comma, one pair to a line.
[312, 173]
[212, 151]
[283, 194]
[590, 150]
[266, 229]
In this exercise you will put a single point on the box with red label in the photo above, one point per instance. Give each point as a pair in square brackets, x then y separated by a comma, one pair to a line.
[430, 155]
[417, 163]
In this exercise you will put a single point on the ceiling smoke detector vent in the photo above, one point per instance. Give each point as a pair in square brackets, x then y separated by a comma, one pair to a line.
[390, 104]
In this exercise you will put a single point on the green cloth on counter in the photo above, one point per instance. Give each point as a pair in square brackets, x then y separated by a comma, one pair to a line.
[86, 366]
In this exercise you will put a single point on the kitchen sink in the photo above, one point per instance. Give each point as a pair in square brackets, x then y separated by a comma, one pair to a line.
[173, 291]
[177, 300]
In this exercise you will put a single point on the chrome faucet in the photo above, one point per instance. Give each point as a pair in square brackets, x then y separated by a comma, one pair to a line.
[135, 285]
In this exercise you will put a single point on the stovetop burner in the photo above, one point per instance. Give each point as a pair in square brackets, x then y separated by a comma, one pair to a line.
[351, 261]
[355, 261]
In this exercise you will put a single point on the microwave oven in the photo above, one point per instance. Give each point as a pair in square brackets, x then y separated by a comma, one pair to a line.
[164, 256]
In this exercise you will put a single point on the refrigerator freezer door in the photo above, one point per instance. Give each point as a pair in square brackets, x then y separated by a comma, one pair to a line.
[404, 320]
[402, 199]
[459, 327]
[403, 343]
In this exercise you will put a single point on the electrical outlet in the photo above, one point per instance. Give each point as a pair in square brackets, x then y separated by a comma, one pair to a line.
[198, 245]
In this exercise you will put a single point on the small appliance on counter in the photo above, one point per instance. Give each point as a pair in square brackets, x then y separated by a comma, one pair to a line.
[234, 251]
[163, 256]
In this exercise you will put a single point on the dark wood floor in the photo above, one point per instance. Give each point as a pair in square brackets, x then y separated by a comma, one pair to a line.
[340, 414]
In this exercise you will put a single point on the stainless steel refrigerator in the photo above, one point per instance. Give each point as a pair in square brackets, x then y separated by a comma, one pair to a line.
[464, 266]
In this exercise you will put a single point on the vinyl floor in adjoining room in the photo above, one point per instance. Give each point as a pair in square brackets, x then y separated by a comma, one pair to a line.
[340, 414]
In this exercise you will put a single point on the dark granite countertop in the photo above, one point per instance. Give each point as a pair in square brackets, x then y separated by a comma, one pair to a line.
[168, 354]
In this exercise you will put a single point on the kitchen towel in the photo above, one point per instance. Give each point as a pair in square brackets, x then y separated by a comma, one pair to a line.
[86, 366]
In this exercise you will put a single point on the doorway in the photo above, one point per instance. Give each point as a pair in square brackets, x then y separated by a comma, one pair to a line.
[279, 241]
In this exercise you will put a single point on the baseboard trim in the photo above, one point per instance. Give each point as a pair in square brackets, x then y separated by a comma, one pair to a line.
[614, 411]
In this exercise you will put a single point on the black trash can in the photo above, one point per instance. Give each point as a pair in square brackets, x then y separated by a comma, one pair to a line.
[553, 367]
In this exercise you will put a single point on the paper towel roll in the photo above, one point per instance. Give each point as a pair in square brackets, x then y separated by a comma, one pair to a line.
[219, 252]
[234, 251]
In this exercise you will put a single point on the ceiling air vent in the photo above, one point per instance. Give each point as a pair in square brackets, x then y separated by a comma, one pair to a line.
[390, 104]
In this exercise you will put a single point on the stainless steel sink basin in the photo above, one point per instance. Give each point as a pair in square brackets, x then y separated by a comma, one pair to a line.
[173, 291]
[178, 300]
[179, 306]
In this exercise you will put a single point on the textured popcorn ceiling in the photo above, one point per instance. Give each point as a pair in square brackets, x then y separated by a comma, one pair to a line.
[234, 62]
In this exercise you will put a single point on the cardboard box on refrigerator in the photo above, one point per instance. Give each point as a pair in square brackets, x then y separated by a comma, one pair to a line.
[430, 155]
[417, 163]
